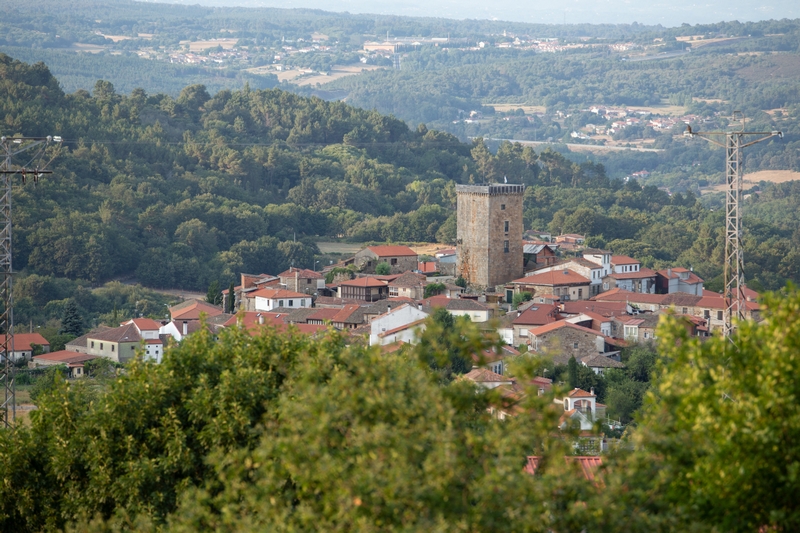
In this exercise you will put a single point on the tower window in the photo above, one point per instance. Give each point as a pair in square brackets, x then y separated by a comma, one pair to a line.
[505, 226]
[502, 207]
[505, 247]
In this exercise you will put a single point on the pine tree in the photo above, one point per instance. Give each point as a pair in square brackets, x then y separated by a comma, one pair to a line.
[572, 372]
[71, 320]
[231, 298]
[214, 294]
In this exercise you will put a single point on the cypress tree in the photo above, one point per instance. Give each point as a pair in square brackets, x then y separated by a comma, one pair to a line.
[572, 372]
[231, 299]
[71, 320]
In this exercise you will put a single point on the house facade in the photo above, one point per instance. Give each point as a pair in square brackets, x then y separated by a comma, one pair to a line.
[399, 258]
[397, 324]
[563, 283]
[366, 289]
[269, 299]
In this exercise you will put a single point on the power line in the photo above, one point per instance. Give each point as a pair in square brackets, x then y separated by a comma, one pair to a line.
[33, 168]
[735, 301]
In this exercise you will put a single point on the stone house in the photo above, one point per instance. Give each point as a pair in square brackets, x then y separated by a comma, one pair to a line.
[569, 340]
[563, 283]
[643, 281]
[532, 317]
[408, 285]
[399, 258]
[302, 280]
[366, 289]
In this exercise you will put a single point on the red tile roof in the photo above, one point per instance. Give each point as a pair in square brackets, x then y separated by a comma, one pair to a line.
[601, 308]
[623, 260]
[191, 310]
[674, 273]
[364, 282]
[402, 328]
[65, 357]
[145, 324]
[277, 293]
[23, 341]
[553, 278]
[427, 267]
[300, 273]
[537, 315]
[642, 273]
[484, 375]
[580, 393]
[346, 314]
[391, 251]
[587, 464]
[619, 295]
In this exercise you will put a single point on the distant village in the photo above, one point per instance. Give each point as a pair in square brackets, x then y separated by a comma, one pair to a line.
[541, 294]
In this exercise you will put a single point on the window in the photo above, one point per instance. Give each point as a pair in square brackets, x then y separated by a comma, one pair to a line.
[502, 207]
[92, 344]
[580, 294]
[719, 315]
[280, 303]
[575, 345]
[685, 311]
[133, 347]
[291, 303]
[394, 260]
[308, 281]
[505, 247]
[505, 226]
[101, 345]
[113, 347]
[605, 286]
[706, 314]
[646, 335]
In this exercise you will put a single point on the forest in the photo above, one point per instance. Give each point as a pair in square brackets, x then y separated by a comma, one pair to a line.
[181, 192]
[285, 432]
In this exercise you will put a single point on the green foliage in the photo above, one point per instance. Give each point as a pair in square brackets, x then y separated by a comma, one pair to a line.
[383, 268]
[231, 299]
[71, 320]
[432, 289]
[572, 373]
[447, 344]
[461, 282]
[214, 293]
[520, 298]
[47, 382]
[718, 430]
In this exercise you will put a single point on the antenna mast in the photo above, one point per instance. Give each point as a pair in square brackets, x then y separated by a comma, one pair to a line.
[10, 148]
[733, 271]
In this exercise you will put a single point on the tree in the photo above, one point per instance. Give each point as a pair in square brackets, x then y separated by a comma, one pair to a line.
[461, 282]
[214, 294]
[231, 298]
[432, 289]
[718, 432]
[572, 372]
[520, 298]
[383, 268]
[71, 321]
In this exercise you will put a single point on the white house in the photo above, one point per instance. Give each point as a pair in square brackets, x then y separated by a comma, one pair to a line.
[269, 299]
[397, 324]
[581, 406]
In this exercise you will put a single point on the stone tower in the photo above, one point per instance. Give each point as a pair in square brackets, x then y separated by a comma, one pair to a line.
[489, 237]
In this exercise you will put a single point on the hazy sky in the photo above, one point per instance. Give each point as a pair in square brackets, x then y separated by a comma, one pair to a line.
[664, 12]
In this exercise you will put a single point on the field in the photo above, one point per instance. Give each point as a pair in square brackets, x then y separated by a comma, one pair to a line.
[302, 78]
[344, 248]
[661, 109]
[528, 109]
[199, 46]
[772, 176]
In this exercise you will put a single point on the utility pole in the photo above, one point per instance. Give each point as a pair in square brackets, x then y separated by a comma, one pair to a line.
[12, 147]
[734, 142]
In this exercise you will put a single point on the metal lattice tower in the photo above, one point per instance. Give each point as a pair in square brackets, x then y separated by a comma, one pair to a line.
[12, 147]
[733, 270]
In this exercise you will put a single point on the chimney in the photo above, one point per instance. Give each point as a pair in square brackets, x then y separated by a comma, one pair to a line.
[388, 307]
[419, 306]
[591, 391]
[185, 328]
[260, 318]
[669, 272]
[519, 312]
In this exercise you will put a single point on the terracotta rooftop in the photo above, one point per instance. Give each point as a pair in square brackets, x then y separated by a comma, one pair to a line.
[587, 464]
[191, 309]
[272, 294]
[675, 273]
[65, 357]
[408, 280]
[144, 324]
[392, 251]
[126, 333]
[300, 273]
[623, 260]
[642, 273]
[601, 361]
[23, 341]
[484, 375]
[537, 315]
[601, 308]
[554, 278]
[580, 393]
[364, 282]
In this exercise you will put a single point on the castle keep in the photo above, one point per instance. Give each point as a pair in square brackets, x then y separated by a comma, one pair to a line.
[489, 235]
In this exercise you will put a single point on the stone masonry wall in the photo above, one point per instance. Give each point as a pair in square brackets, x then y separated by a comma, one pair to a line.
[481, 254]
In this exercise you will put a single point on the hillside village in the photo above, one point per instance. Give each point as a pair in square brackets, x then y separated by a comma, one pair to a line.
[548, 295]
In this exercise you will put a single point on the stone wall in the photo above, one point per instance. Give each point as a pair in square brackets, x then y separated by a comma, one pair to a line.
[563, 341]
[489, 235]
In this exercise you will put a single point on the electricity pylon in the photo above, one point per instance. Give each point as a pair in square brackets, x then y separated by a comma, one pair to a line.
[12, 147]
[733, 272]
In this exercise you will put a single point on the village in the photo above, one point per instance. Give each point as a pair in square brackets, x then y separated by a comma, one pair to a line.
[540, 294]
